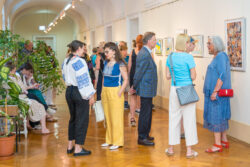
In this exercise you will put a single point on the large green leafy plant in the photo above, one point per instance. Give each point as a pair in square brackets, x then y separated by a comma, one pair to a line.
[9, 44]
[46, 67]
[9, 91]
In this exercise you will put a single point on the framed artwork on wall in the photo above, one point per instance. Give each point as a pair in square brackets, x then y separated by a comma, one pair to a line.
[199, 46]
[158, 47]
[169, 45]
[235, 43]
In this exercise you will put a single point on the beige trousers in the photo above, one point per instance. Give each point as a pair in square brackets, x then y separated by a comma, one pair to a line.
[176, 112]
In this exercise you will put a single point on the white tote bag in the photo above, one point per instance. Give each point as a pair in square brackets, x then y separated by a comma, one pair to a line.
[99, 114]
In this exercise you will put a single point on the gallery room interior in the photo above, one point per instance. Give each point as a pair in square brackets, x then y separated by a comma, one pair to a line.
[94, 22]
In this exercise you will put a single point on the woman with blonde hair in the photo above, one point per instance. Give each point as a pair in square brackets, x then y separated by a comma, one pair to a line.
[134, 99]
[182, 67]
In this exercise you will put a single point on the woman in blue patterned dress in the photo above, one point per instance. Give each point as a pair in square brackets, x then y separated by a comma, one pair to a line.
[217, 110]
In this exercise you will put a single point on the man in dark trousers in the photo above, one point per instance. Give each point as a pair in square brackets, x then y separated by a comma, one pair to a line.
[145, 84]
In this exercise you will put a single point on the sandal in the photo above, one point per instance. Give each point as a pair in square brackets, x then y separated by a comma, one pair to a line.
[132, 122]
[192, 155]
[51, 120]
[46, 133]
[225, 144]
[218, 149]
[168, 152]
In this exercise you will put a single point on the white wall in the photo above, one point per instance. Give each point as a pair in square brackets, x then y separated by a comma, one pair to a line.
[119, 30]
[27, 26]
[207, 18]
[199, 17]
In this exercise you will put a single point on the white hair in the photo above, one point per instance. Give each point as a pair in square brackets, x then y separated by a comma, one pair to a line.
[218, 43]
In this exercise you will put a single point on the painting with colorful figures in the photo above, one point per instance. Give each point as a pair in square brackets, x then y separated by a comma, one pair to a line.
[235, 43]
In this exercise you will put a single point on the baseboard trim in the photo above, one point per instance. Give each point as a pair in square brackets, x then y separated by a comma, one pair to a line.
[236, 130]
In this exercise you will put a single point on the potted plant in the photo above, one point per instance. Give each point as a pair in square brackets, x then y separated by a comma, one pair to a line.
[9, 93]
[7, 138]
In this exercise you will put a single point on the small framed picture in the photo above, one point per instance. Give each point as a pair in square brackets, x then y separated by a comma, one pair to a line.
[169, 45]
[199, 46]
[158, 47]
[236, 43]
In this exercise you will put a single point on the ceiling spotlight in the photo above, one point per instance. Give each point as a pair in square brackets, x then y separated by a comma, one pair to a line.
[67, 7]
[42, 28]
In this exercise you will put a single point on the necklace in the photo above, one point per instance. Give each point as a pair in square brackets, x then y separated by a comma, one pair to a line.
[111, 63]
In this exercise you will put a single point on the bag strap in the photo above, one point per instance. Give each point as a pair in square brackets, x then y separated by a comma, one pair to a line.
[172, 68]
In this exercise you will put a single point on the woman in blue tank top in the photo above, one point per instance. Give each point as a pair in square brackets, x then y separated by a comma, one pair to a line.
[113, 95]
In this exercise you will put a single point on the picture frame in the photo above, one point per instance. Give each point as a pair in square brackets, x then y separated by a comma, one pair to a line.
[235, 30]
[158, 47]
[168, 45]
[199, 46]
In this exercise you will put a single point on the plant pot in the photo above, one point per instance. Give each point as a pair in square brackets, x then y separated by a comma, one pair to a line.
[7, 145]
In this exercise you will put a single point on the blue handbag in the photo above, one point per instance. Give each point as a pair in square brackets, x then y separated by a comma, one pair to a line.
[186, 94]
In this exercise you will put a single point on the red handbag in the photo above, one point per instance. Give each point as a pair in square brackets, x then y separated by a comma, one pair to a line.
[226, 93]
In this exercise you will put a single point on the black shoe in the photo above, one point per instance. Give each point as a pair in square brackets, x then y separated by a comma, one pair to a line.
[83, 152]
[145, 142]
[71, 150]
[150, 138]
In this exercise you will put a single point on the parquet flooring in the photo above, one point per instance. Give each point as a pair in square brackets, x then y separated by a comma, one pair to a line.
[50, 150]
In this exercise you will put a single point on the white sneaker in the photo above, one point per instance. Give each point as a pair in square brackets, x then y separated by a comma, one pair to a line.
[113, 147]
[38, 127]
[137, 111]
[51, 111]
[105, 145]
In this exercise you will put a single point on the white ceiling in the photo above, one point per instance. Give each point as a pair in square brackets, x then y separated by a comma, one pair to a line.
[84, 11]
[87, 14]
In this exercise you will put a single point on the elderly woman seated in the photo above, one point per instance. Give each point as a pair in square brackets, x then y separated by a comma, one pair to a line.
[26, 71]
[37, 111]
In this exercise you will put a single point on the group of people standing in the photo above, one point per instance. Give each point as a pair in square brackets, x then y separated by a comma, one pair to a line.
[113, 75]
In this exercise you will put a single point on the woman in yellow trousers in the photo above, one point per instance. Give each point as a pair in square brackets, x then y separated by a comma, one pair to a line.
[115, 70]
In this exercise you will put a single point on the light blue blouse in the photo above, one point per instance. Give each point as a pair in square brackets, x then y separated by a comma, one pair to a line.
[218, 69]
[182, 63]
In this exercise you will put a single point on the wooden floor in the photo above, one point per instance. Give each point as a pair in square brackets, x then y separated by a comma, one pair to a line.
[50, 150]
